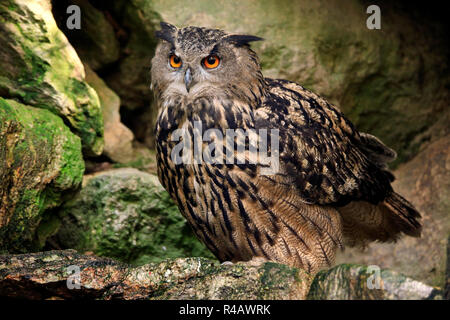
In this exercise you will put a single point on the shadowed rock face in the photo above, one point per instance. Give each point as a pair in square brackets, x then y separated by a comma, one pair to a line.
[49, 275]
[96, 42]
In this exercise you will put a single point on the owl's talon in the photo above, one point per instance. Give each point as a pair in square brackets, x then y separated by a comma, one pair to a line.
[227, 263]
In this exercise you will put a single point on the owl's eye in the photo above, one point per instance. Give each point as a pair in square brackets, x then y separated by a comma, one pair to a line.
[175, 61]
[211, 62]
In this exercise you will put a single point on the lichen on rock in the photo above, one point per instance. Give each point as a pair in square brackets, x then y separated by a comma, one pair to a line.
[49, 275]
[358, 282]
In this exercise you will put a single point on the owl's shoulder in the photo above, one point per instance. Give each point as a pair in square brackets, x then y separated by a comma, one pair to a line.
[295, 106]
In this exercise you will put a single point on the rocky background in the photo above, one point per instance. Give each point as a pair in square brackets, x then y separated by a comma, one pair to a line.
[77, 167]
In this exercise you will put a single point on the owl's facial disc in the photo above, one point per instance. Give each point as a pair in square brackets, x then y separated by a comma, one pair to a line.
[196, 62]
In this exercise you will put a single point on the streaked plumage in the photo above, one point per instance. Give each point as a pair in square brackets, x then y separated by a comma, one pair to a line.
[333, 187]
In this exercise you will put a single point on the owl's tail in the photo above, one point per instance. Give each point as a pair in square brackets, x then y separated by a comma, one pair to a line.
[405, 215]
[364, 222]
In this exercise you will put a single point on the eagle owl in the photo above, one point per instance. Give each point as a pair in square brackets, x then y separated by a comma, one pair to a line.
[331, 188]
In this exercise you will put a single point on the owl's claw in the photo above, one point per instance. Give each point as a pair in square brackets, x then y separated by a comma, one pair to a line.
[227, 263]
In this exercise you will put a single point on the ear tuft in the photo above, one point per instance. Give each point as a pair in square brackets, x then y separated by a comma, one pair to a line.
[242, 40]
[167, 32]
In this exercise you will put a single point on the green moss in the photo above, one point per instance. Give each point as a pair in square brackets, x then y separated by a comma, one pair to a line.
[47, 227]
[41, 160]
[345, 281]
[12, 6]
[40, 70]
[275, 275]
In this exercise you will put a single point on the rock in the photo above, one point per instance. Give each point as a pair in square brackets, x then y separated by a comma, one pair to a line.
[40, 68]
[425, 181]
[50, 274]
[142, 121]
[357, 282]
[131, 80]
[46, 275]
[236, 282]
[118, 138]
[40, 161]
[134, 23]
[95, 42]
[144, 159]
[392, 82]
[130, 76]
[126, 214]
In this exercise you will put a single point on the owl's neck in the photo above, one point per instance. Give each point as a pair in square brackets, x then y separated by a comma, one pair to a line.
[232, 108]
[213, 112]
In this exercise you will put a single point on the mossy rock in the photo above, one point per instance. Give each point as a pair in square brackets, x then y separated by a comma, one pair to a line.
[359, 282]
[126, 214]
[45, 275]
[241, 281]
[40, 68]
[40, 162]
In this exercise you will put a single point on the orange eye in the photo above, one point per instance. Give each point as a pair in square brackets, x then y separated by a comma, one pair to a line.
[175, 61]
[211, 62]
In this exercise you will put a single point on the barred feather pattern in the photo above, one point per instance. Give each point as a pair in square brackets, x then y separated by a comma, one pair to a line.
[238, 213]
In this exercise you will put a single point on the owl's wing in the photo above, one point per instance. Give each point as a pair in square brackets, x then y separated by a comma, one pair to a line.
[330, 163]
[320, 150]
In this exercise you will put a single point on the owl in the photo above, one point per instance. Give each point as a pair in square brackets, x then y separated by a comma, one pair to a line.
[330, 187]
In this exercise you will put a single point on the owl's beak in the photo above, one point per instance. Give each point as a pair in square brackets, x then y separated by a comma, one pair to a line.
[188, 79]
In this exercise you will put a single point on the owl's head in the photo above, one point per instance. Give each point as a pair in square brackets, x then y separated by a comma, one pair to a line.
[195, 62]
